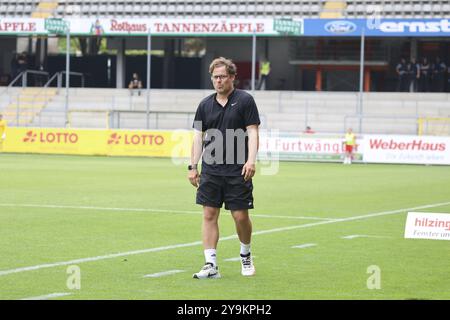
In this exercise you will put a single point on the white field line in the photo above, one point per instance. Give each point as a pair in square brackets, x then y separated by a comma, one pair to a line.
[196, 243]
[51, 206]
[291, 217]
[306, 245]
[97, 258]
[163, 273]
[48, 296]
[354, 236]
[147, 210]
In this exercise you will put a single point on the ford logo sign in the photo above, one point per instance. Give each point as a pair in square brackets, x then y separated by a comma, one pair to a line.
[340, 27]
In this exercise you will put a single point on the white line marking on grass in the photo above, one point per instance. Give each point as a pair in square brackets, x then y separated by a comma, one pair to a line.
[162, 274]
[191, 244]
[108, 256]
[148, 210]
[354, 236]
[48, 296]
[51, 206]
[291, 217]
[306, 245]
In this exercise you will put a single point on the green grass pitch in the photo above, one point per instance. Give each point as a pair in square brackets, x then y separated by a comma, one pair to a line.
[119, 219]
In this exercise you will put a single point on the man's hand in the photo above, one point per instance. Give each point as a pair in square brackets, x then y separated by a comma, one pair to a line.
[248, 171]
[194, 177]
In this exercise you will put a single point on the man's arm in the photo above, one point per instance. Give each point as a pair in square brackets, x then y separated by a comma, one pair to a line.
[248, 171]
[196, 153]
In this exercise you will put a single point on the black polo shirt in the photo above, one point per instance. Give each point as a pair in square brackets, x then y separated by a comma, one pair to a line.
[214, 119]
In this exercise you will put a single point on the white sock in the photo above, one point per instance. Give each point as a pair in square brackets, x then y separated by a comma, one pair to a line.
[245, 249]
[210, 256]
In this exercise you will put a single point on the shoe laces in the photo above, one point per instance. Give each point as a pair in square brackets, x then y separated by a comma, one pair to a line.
[208, 266]
[247, 261]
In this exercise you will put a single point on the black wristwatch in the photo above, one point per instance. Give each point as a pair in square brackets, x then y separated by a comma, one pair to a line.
[192, 167]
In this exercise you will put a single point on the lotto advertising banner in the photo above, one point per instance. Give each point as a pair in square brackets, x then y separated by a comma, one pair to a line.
[406, 149]
[99, 142]
[273, 145]
[304, 147]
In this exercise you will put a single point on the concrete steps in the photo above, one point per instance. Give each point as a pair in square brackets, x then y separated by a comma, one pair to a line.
[327, 112]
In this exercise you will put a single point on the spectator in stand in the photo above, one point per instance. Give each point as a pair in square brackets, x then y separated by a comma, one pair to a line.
[402, 75]
[22, 62]
[414, 76]
[135, 83]
[425, 76]
[14, 65]
[448, 78]
[308, 130]
[264, 72]
[408, 73]
[438, 75]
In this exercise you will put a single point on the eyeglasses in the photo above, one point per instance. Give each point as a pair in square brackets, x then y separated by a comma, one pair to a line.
[221, 77]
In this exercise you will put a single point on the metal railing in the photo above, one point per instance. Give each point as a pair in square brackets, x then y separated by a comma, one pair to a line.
[24, 76]
[115, 117]
[72, 73]
[361, 118]
[59, 79]
[37, 103]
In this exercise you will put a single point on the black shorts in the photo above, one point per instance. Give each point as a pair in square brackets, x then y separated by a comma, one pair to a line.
[234, 191]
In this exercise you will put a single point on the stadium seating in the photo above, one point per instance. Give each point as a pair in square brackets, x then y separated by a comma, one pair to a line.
[222, 8]
[283, 110]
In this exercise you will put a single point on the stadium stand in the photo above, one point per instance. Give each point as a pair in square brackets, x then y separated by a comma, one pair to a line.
[221, 8]
[290, 110]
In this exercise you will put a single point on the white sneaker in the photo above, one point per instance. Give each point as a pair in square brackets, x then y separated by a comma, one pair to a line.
[207, 272]
[248, 269]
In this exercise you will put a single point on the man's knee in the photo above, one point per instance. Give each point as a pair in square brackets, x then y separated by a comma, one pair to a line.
[241, 216]
[210, 214]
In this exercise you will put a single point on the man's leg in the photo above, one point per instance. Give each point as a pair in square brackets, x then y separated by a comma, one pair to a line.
[243, 225]
[210, 232]
[210, 237]
[244, 231]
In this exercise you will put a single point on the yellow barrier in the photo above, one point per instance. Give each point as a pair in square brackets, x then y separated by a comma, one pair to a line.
[433, 126]
[98, 142]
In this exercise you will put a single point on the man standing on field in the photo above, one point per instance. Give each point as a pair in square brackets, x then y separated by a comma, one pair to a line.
[2, 131]
[350, 145]
[226, 137]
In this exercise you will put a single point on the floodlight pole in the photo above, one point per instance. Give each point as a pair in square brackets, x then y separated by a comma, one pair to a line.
[67, 72]
[149, 61]
[253, 61]
[361, 81]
